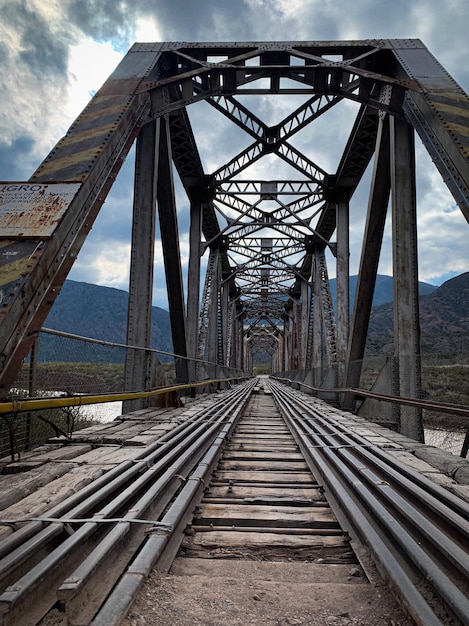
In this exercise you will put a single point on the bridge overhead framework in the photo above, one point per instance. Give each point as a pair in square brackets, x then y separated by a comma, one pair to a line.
[264, 241]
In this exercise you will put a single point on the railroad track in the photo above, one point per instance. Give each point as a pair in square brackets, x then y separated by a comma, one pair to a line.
[89, 557]
[263, 502]
[129, 519]
[416, 532]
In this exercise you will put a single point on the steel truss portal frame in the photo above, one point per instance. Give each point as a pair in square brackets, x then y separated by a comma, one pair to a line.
[266, 213]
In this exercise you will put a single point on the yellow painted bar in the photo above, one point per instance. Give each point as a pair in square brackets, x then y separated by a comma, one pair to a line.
[20, 406]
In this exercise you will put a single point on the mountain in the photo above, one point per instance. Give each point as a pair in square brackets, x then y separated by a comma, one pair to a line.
[101, 313]
[383, 289]
[444, 320]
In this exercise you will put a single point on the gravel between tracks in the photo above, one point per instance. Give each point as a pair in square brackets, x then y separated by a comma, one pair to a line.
[247, 593]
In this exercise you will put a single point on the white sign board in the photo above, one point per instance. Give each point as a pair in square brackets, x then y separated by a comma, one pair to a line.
[33, 210]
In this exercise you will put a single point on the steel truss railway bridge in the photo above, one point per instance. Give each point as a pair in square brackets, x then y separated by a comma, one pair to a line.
[266, 219]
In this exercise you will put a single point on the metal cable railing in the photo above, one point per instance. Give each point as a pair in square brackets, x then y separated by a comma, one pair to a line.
[68, 379]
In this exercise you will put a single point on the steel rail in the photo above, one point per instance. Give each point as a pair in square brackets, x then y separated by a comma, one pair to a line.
[351, 438]
[34, 576]
[380, 508]
[160, 550]
[159, 494]
[79, 503]
[455, 510]
[429, 405]
[163, 490]
[455, 507]
[130, 485]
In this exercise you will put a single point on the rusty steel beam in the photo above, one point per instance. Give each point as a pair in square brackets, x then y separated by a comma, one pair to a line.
[137, 373]
[90, 155]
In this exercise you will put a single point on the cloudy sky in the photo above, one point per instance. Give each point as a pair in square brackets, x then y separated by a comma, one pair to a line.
[54, 54]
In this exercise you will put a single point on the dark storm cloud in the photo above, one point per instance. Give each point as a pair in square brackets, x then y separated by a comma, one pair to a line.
[41, 50]
[104, 20]
[15, 159]
[192, 21]
[179, 20]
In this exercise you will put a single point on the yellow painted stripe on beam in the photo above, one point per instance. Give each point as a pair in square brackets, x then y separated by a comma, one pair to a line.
[97, 122]
[457, 96]
[86, 135]
[94, 114]
[457, 129]
[110, 113]
[13, 271]
[451, 110]
[70, 160]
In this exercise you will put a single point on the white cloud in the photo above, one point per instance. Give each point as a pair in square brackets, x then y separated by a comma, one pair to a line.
[106, 265]
[86, 75]
[147, 29]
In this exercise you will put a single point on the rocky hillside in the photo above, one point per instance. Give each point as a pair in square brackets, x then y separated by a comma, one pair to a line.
[101, 313]
[444, 318]
[383, 289]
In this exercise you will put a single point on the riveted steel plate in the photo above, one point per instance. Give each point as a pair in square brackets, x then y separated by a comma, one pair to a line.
[33, 209]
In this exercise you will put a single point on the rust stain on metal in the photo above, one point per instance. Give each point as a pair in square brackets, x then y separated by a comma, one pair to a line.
[120, 87]
[33, 210]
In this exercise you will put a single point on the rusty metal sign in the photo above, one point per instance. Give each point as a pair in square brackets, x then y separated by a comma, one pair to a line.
[33, 210]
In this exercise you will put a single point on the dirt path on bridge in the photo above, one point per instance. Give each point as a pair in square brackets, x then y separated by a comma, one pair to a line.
[244, 593]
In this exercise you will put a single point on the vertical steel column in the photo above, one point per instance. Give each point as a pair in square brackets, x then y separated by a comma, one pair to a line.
[317, 324]
[275, 367]
[240, 335]
[193, 282]
[405, 272]
[230, 356]
[281, 352]
[305, 304]
[171, 254]
[296, 334]
[328, 316]
[372, 241]
[237, 344]
[242, 345]
[205, 306]
[342, 285]
[224, 325]
[247, 352]
[309, 348]
[283, 357]
[288, 348]
[291, 338]
[137, 372]
[212, 320]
